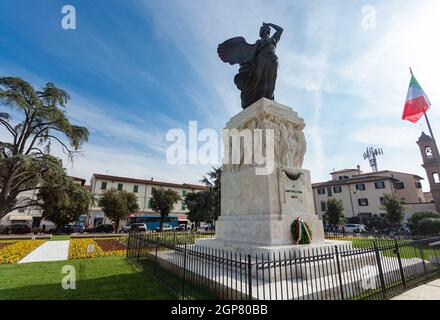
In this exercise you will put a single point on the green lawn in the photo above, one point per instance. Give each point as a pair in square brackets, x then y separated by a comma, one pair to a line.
[405, 251]
[100, 278]
[60, 237]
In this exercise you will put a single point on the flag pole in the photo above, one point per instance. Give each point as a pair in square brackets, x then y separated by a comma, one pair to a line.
[429, 126]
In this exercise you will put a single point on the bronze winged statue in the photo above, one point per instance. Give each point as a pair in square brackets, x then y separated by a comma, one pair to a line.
[258, 64]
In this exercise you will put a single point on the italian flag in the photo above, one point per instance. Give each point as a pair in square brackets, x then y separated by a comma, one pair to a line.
[417, 102]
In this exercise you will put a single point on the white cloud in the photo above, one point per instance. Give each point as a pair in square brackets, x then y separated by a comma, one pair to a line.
[126, 163]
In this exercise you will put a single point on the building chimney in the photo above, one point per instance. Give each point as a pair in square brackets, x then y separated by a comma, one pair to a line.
[152, 179]
[359, 169]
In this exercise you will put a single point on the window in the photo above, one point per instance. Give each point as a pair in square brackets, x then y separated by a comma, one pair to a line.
[360, 187]
[323, 206]
[103, 185]
[136, 189]
[400, 185]
[429, 153]
[321, 191]
[120, 186]
[152, 189]
[21, 210]
[150, 203]
[382, 200]
[379, 184]
[337, 189]
[436, 177]
[363, 202]
[329, 192]
[183, 206]
[344, 177]
[418, 185]
[184, 193]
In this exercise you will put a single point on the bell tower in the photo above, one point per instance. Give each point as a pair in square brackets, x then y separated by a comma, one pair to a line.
[431, 163]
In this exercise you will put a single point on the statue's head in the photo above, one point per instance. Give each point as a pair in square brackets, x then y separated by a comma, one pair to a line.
[264, 32]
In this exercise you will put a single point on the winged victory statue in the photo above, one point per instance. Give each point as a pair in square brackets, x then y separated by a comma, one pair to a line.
[258, 64]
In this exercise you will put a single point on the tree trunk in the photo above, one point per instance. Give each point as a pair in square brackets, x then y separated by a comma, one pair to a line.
[117, 226]
[161, 223]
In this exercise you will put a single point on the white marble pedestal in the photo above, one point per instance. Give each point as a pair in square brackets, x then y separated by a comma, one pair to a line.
[257, 210]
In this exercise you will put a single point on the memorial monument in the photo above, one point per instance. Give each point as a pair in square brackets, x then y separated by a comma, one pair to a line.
[258, 208]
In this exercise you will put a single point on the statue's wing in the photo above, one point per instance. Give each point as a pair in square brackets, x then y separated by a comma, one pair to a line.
[236, 50]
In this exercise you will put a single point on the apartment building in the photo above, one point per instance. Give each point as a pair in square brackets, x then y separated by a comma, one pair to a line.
[31, 215]
[143, 190]
[362, 193]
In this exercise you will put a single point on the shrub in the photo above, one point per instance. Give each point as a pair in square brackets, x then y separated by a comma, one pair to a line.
[36, 230]
[413, 222]
[429, 226]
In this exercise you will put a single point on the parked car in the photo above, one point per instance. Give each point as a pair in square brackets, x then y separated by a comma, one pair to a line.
[103, 228]
[126, 228]
[355, 228]
[182, 227]
[68, 229]
[209, 227]
[19, 228]
[165, 227]
[48, 228]
[139, 227]
[78, 228]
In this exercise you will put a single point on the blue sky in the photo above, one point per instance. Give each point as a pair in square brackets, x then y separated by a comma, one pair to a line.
[138, 68]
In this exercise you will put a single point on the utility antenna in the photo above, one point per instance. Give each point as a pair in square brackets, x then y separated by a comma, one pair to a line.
[371, 154]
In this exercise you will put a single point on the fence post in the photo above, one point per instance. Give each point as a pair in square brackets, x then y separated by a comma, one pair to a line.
[155, 257]
[338, 264]
[127, 254]
[379, 265]
[249, 267]
[184, 271]
[399, 259]
[138, 248]
[422, 257]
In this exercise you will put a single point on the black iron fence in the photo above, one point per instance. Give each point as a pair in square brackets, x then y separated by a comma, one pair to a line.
[367, 269]
[375, 235]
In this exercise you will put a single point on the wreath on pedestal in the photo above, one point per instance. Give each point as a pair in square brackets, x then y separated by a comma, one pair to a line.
[301, 232]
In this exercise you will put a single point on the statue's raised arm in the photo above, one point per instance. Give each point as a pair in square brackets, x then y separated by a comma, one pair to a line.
[258, 64]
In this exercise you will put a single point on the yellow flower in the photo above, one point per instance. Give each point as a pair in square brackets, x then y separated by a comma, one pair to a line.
[17, 250]
[78, 249]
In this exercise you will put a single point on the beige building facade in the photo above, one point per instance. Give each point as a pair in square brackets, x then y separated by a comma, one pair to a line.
[362, 193]
[143, 189]
[31, 215]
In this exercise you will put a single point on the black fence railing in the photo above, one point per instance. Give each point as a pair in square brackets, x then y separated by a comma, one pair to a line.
[376, 235]
[372, 269]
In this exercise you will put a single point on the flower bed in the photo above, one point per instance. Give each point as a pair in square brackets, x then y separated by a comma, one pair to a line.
[14, 251]
[4, 244]
[79, 248]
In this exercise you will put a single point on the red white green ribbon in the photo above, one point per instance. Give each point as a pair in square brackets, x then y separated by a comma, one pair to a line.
[302, 225]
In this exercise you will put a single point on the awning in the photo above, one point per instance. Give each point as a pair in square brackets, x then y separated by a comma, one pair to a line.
[20, 218]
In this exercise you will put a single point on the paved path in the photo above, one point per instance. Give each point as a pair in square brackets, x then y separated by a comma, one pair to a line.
[429, 291]
[49, 251]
